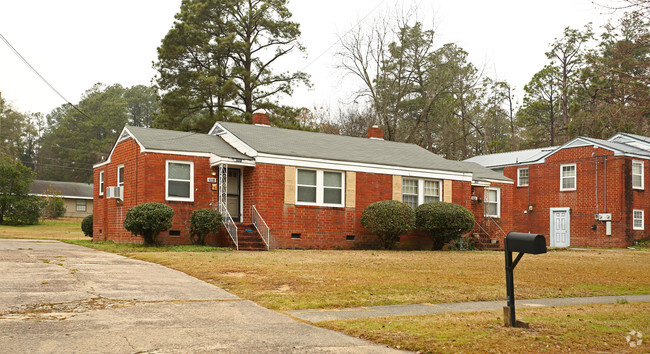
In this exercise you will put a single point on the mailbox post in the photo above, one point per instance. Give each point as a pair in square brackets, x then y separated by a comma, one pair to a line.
[522, 243]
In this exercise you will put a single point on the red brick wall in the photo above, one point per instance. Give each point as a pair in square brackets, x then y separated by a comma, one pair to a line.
[144, 181]
[586, 201]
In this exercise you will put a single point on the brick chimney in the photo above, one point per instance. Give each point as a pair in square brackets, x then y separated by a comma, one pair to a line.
[261, 118]
[375, 132]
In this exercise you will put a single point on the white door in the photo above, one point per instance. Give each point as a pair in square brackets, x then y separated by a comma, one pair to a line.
[560, 228]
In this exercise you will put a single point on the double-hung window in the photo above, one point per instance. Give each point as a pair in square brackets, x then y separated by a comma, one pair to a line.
[180, 181]
[638, 220]
[120, 176]
[410, 194]
[319, 187]
[522, 177]
[101, 183]
[81, 205]
[637, 174]
[568, 177]
[420, 191]
[492, 202]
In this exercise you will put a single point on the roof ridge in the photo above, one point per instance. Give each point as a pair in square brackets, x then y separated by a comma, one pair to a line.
[327, 134]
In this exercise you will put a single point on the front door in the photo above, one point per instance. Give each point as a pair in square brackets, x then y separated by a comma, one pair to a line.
[560, 227]
[233, 200]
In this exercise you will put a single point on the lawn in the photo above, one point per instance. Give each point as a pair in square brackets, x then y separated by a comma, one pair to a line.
[291, 279]
[587, 328]
[57, 229]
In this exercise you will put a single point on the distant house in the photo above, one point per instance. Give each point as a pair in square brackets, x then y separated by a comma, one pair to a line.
[587, 192]
[77, 197]
[289, 188]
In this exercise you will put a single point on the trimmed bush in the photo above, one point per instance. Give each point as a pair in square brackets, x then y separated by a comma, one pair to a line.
[443, 221]
[203, 222]
[24, 210]
[87, 226]
[388, 219]
[148, 220]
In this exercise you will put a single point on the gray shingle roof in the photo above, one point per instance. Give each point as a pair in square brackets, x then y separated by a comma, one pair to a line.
[511, 157]
[67, 189]
[171, 140]
[300, 143]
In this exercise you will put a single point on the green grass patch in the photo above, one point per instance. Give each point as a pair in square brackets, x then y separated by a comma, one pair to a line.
[49, 229]
[110, 246]
[589, 328]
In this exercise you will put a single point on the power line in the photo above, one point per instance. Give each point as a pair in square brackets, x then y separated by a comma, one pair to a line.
[341, 38]
[41, 76]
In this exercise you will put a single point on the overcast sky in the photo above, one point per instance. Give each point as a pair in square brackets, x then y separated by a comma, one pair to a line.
[76, 43]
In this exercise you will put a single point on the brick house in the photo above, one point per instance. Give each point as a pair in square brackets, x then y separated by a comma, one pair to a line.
[587, 192]
[292, 189]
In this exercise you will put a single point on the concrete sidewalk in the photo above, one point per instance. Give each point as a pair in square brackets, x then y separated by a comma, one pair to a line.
[62, 298]
[318, 315]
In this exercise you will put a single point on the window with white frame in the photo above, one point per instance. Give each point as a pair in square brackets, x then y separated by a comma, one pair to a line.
[637, 174]
[419, 191]
[568, 177]
[120, 175]
[638, 220]
[522, 177]
[492, 202]
[319, 187]
[81, 205]
[180, 181]
[101, 182]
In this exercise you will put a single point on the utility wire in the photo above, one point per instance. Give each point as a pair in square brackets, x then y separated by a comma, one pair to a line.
[41, 76]
[341, 37]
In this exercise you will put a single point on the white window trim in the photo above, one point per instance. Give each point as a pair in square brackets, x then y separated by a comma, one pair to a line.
[519, 184]
[320, 188]
[120, 183]
[85, 205]
[101, 183]
[642, 175]
[575, 177]
[179, 199]
[421, 188]
[642, 219]
[498, 202]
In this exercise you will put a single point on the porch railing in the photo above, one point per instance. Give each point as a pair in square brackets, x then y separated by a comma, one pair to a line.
[261, 227]
[230, 226]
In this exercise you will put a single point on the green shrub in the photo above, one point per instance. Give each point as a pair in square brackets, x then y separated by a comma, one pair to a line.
[388, 219]
[53, 207]
[24, 210]
[203, 222]
[87, 226]
[148, 220]
[443, 221]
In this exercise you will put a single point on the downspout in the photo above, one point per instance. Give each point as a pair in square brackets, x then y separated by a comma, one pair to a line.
[596, 184]
[605, 187]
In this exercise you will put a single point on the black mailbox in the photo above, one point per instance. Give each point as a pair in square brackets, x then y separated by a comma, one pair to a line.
[522, 243]
[525, 243]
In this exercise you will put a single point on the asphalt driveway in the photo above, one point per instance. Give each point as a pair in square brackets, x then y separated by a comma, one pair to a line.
[57, 297]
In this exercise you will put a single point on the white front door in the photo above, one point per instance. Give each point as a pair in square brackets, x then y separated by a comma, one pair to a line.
[560, 227]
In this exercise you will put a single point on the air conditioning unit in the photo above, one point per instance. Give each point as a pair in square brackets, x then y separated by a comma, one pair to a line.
[115, 192]
[604, 217]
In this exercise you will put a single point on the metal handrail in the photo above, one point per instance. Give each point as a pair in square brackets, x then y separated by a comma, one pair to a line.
[230, 226]
[261, 226]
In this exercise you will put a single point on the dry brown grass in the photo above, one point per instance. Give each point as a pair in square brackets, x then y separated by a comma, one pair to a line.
[59, 229]
[285, 280]
[589, 328]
